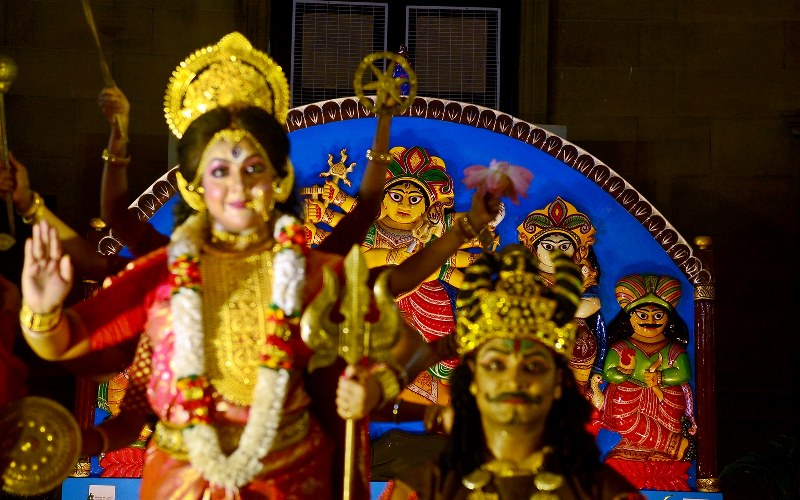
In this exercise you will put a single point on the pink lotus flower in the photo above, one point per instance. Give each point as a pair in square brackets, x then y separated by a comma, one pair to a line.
[500, 178]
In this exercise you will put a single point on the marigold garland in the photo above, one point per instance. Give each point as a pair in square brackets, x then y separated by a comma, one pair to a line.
[277, 358]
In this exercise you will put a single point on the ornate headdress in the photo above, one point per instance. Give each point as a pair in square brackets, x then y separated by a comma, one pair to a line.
[503, 297]
[557, 217]
[637, 289]
[230, 74]
[417, 166]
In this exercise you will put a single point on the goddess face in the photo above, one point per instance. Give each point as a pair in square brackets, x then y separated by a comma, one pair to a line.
[553, 241]
[648, 322]
[234, 174]
[404, 203]
[515, 381]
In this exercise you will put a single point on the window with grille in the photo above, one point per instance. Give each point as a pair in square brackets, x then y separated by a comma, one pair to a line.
[454, 49]
[455, 52]
[329, 41]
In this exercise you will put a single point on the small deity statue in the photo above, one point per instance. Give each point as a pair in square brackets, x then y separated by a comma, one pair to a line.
[648, 400]
[416, 210]
[560, 226]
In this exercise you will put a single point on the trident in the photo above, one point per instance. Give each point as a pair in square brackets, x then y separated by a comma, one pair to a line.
[355, 339]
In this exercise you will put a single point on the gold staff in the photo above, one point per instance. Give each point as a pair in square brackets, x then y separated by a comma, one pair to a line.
[354, 339]
[104, 68]
[8, 73]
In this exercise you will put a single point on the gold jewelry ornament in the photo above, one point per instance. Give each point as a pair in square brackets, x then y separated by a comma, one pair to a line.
[388, 380]
[238, 241]
[38, 322]
[283, 188]
[473, 389]
[114, 160]
[34, 212]
[228, 73]
[193, 196]
[375, 156]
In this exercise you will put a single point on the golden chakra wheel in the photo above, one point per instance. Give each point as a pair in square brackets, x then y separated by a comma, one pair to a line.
[385, 84]
[39, 446]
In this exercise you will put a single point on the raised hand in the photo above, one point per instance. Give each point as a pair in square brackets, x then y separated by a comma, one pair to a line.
[484, 209]
[47, 273]
[116, 109]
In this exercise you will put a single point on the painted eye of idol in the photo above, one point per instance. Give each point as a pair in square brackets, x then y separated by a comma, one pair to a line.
[555, 241]
[398, 197]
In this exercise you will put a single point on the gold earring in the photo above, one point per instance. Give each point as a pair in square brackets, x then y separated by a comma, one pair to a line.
[473, 389]
[283, 187]
[557, 392]
[191, 194]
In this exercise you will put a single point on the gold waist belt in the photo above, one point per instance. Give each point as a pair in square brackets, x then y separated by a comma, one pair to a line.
[291, 430]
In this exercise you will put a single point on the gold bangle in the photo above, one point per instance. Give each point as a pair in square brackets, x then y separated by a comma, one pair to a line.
[38, 322]
[34, 212]
[467, 229]
[388, 380]
[379, 157]
[114, 160]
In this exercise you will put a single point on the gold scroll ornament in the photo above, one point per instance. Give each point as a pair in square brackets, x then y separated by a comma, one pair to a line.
[39, 445]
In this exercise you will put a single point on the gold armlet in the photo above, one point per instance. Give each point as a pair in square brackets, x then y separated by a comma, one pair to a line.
[469, 233]
[384, 158]
[34, 212]
[327, 216]
[388, 380]
[339, 198]
[36, 322]
[114, 160]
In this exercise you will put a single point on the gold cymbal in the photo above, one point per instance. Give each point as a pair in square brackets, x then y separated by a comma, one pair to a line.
[39, 445]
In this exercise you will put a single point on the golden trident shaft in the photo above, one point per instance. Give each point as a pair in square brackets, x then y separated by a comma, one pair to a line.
[355, 339]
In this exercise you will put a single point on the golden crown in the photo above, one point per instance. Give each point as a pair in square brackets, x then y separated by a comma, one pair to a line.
[518, 305]
[229, 73]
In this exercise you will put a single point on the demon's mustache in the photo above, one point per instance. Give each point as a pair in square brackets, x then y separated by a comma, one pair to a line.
[650, 325]
[522, 396]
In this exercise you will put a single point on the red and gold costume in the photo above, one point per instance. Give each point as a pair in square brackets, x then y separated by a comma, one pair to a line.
[300, 461]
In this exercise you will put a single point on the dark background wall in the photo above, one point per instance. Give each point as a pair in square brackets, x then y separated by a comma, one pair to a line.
[696, 104]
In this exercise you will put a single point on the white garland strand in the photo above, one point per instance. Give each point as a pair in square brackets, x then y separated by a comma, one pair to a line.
[202, 442]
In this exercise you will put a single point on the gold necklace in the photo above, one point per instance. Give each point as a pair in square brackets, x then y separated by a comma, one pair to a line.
[220, 237]
[237, 304]
[545, 482]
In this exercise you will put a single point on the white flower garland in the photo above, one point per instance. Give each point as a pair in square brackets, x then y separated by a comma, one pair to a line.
[202, 442]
